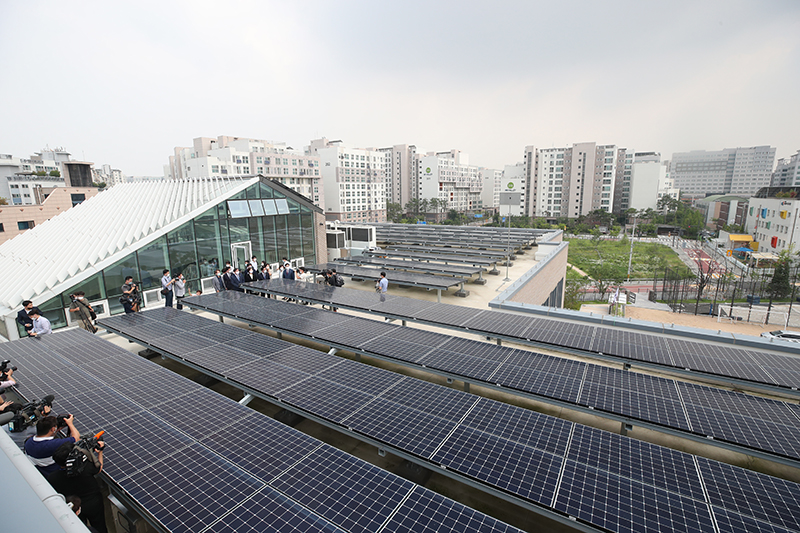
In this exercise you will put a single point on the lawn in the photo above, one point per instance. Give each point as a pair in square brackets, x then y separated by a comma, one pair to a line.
[587, 256]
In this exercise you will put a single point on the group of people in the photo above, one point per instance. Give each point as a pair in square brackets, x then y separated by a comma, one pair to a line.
[50, 455]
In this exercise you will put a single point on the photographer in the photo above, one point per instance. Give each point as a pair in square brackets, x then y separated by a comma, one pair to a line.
[83, 310]
[40, 448]
[81, 484]
[180, 289]
[130, 298]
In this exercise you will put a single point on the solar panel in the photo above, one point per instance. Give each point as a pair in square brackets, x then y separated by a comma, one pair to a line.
[220, 359]
[402, 350]
[324, 398]
[170, 488]
[305, 360]
[502, 463]
[350, 493]
[412, 430]
[442, 402]
[352, 374]
[447, 361]
[266, 376]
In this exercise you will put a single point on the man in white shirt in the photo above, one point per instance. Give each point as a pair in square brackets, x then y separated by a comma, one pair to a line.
[41, 326]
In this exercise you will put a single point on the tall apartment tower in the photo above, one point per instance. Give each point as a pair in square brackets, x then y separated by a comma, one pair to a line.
[572, 181]
[730, 171]
[354, 181]
[228, 156]
[787, 172]
[400, 173]
[449, 176]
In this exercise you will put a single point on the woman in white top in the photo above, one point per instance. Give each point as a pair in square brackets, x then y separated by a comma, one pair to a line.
[180, 290]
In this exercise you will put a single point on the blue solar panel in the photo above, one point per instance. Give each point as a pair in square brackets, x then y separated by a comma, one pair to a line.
[189, 489]
[457, 363]
[324, 398]
[529, 472]
[220, 359]
[402, 350]
[618, 503]
[537, 382]
[356, 496]
[413, 430]
[274, 511]
[366, 379]
[439, 401]
[266, 376]
[260, 445]
[748, 493]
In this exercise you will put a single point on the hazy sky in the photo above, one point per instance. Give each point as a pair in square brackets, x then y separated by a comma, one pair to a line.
[124, 83]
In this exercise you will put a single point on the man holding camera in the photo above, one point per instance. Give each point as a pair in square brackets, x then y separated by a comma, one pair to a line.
[130, 298]
[83, 310]
[81, 484]
[40, 449]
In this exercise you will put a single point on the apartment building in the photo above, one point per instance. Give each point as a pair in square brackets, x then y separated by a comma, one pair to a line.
[773, 219]
[354, 180]
[741, 171]
[787, 172]
[47, 161]
[228, 156]
[400, 173]
[449, 176]
[492, 183]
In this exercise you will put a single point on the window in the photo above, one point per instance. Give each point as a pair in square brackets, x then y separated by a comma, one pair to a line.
[77, 198]
[1, 228]
[23, 225]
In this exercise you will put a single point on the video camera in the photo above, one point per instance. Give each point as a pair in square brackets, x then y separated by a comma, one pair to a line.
[84, 454]
[4, 369]
[31, 412]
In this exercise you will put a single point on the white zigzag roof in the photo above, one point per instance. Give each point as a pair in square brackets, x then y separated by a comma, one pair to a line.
[81, 241]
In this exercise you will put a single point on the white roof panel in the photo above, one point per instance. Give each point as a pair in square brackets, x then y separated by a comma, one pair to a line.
[82, 240]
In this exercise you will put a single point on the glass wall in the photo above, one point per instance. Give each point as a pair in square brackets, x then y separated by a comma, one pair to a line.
[276, 227]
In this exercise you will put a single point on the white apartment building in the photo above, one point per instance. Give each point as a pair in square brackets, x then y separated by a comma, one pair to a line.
[643, 180]
[109, 176]
[572, 181]
[492, 183]
[228, 156]
[449, 176]
[774, 223]
[400, 173]
[787, 172]
[45, 161]
[741, 171]
[354, 181]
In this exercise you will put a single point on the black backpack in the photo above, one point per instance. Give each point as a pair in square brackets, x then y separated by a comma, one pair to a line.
[338, 280]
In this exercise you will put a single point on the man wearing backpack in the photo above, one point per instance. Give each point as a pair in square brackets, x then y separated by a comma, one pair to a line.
[338, 280]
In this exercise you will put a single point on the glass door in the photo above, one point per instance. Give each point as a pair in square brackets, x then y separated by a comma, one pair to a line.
[241, 252]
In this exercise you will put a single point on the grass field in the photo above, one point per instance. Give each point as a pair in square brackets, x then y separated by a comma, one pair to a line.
[647, 256]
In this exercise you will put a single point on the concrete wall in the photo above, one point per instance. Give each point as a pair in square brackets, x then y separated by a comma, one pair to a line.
[534, 287]
[59, 201]
[321, 241]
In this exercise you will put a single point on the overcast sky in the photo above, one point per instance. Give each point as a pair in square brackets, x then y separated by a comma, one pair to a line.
[124, 83]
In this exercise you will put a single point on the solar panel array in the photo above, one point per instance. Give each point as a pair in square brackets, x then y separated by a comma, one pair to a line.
[753, 422]
[434, 255]
[598, 478]
[424, 250]
[193, 460]
[668, 351]
[403, 278]
[399, 264]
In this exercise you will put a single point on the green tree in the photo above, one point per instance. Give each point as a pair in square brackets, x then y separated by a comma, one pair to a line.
[572, 292]
[412, 207]
[606, 275]
[394, 212]
[3, 201]
[55, 173]
[99, 185]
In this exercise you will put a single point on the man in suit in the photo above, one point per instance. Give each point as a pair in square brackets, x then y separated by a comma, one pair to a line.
[236, 280]
[22, 317]
[218, 282]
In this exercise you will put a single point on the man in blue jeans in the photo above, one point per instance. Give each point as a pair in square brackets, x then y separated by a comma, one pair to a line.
[166, 285]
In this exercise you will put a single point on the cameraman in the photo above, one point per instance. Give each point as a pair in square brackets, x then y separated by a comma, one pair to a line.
[40, 448]
[8, 381]
[84, 311]
[130, 296]
[83, 485]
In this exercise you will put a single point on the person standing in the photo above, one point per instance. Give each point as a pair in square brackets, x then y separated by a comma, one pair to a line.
[22, 317]
[41, 326]
[84, 311]
[235, 281]
[382, 285]
[82, 485]
[218, 282]
[166, 288]
[180, 290]
[130, 298]
[288, 272]
[40, 449]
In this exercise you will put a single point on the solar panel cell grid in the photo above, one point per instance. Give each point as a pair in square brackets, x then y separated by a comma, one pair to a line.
[404, 351]
[360, 377]
[172, 488]
[630, 403]
[537, 382]
[304, 359]
[350, 493]
[266, 376]
[507, 465]
[325, 398]
[457, 363]
[452, 315]
[442, 402]
[404, 427]
[220, 358]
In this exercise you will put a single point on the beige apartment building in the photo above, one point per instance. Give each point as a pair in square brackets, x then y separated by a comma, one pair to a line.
[15, 219]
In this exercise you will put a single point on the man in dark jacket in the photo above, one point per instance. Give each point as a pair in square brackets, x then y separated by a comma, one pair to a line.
[83, 485]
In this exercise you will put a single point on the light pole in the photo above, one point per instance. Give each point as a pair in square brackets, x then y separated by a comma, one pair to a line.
[508, 245]
[630, 256]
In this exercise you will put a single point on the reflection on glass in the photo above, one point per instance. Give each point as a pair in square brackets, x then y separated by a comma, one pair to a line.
[283, 206]
[269, 207]
[256, 208]
[239, 208]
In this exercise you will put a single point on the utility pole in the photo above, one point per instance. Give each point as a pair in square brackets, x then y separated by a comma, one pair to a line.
[508, 245]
